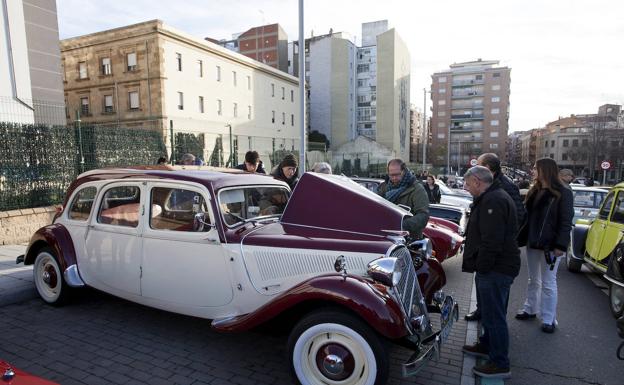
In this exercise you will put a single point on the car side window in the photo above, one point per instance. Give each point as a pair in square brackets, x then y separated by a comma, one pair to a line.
[617, 215]
[120, 206]
[82, 203]
[606, 207]
[174, 209]
[241, 204]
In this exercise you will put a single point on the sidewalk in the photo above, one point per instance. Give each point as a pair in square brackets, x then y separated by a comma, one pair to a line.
[16, 281]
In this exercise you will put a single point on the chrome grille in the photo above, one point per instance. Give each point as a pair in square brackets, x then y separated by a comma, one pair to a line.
[408, 289]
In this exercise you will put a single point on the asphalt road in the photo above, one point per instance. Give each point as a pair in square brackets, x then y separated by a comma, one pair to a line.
[583, 348]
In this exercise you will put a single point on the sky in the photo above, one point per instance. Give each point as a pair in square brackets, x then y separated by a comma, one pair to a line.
[566, 57]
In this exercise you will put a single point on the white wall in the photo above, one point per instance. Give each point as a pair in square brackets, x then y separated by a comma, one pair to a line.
[320, 86]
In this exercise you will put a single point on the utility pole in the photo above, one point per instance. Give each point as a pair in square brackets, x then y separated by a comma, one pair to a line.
[302, 104]
[424, 129]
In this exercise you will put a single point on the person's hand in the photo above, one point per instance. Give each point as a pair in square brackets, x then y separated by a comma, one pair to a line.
[558, 253]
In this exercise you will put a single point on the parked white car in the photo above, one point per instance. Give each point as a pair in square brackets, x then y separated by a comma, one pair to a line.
[455, 197]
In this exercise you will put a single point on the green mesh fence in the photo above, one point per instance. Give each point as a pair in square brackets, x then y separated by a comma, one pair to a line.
[37, 162]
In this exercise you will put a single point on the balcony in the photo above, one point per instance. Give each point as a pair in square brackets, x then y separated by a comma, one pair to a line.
[466, 95]
[467, 117]
[464, 83]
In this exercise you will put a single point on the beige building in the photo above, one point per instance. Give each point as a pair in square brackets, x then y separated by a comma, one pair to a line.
[154, 76]
[470, 112]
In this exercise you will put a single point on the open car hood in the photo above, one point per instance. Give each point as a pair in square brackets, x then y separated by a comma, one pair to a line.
[338, 203]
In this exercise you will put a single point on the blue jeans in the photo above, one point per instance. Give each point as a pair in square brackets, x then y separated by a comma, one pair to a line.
[493, 289]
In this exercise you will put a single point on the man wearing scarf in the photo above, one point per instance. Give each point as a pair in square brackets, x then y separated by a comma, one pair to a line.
[403, 188]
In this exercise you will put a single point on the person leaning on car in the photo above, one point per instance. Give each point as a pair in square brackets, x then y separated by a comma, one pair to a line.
[252, 163]
[492, 163]
[403, 188]
[491, 251]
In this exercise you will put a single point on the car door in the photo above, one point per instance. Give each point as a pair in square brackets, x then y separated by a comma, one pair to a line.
[597, 230]
[613, 231]
[76, 217]
[113, 240]
[183, 265]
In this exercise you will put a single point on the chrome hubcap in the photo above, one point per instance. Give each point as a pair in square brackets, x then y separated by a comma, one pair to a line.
[335, 362]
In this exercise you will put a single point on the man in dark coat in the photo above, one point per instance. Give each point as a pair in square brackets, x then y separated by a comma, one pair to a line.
[492, 163]
[402, 187]
[252, 163]
[491, 251]
[286, 171]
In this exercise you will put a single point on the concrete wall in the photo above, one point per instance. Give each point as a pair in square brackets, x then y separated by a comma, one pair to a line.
[17, 226]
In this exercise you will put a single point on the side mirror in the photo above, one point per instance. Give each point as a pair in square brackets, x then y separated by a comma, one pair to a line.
[200, 223]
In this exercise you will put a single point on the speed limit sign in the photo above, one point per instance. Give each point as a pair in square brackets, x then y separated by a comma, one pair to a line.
[605, 165]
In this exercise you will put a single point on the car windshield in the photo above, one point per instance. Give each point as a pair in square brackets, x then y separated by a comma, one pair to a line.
[590, 199]
[242, 204]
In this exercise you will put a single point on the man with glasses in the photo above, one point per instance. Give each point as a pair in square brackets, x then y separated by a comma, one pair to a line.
[402, 188]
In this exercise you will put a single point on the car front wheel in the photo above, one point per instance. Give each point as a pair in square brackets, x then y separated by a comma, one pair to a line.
[333, 347]
[49, 279]
[616, 300]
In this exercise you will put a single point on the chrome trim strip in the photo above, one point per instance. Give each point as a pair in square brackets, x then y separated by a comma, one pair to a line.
[72, 276]
[613, 281]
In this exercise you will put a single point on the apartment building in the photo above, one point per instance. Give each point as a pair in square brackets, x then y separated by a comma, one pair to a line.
[152, 75]
[470, 112]
[31, 89]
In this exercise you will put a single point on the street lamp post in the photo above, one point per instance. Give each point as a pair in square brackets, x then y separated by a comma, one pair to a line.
[424, 129]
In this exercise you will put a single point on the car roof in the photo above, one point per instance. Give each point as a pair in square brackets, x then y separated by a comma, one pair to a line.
[217, 177]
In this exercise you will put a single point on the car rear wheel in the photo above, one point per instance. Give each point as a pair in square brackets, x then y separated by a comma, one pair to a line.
[49, 279]
[574, 265]
[616, 300]
[334, 347]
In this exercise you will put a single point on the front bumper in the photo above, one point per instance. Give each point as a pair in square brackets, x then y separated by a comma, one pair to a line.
[430, 347]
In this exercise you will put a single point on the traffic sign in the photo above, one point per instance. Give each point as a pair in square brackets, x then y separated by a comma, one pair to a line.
[605, 165]
[473, 162]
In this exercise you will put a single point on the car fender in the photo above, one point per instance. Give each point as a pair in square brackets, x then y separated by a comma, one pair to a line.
[58, 238]
[577, 240]
[372, 302]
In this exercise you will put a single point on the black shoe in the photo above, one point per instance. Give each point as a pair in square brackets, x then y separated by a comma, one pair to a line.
[477, 350]
[524, 316]
[548, 328]
[490, 370]
[473, 316]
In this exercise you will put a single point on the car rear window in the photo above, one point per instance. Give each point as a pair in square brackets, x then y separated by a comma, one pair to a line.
[590, 199]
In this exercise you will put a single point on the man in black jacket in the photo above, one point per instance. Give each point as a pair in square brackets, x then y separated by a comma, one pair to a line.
[252, 163]
[492, 162]
[491, 251]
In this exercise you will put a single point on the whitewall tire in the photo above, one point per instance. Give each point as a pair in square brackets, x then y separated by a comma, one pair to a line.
[48, 278]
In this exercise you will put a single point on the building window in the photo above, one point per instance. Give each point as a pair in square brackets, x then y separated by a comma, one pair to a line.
[283, 93]
[442, 79]
[200, 68]
[495, 99]
[441, 124]
[585, 142]
[442, 91]
[283, 118]
[131, 60]
[496, 87]
[552, 156]
[493, 146]
[218, 73]
[494, 123]
[292, 120]
[292, 96]
[273, 116]
[106, 66]
[201, 104]
[219, 107]
[234, 82]
[249, 112]
[248, 82]
[133, 97]
[552, 143]
[441, 135]
[180, 100]
[82, 70]
[441, 113]
[566, 143]
[108, 104]
[441, 102]
[272, 90]
[363, 68]
[574, 142]
[546, 144]
[564, 156]
[495, 111]
[494, 134]
[235, 110]
[496, 75]
[84, 106]
[179, 61]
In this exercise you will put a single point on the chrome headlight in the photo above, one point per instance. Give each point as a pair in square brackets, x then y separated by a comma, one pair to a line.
[387, 270]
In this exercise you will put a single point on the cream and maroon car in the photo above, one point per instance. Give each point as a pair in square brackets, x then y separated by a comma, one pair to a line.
[241, 250]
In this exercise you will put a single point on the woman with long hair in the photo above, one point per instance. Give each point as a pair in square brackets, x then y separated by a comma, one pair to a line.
[546, 235]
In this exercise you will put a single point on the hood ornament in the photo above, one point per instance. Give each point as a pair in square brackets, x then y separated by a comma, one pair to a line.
[340, 266]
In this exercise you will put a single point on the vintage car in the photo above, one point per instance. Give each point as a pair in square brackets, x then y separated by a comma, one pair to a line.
[455, 214]
[600, 244]
[239, 249]
[14, 376]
